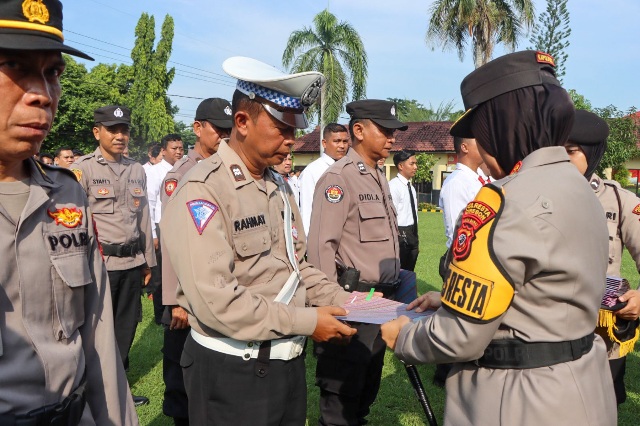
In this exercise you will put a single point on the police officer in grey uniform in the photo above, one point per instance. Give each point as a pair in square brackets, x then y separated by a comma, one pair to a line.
[58, 359]
[522, 291]
[116, 187]
[354, 223]
[211, 125]
[237, 246]
[586, 146]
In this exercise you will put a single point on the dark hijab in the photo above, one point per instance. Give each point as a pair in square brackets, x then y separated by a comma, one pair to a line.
[513, 125]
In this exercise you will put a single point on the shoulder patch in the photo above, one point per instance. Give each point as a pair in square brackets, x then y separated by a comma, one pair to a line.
[236, 171]
[201, 211]
[476, 287]
[362, 167]
[636, 210]
[334, 194]
[170, 185]
[77, 173]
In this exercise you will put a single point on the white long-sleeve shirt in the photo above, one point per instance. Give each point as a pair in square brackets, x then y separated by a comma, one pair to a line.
[402, 202]
[155, 177]
[307, 184]
[458, 190]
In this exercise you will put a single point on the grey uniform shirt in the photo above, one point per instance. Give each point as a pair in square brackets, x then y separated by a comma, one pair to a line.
[353, 219]
[551, 242]
[117, 194]
[227, 246]
[170, 183]
[53, 323]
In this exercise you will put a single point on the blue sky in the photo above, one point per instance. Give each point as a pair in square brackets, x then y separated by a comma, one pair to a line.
[603, 63]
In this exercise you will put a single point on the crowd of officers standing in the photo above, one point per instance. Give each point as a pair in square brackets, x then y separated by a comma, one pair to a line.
[255, 261]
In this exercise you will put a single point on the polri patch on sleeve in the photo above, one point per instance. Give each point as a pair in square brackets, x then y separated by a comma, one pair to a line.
[475, 216]
[236, 171]
[201, 211]
[334, 194]
[170, 185]
[636, 209]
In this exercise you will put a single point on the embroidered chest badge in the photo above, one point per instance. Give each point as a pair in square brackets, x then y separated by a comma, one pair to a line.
[475, 216]
[103, 191]
[334, 194]
[636, 210]
[202, 211]
[170, 185]
[68, 217]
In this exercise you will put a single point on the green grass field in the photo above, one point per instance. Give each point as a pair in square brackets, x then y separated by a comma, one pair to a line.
[396, 403]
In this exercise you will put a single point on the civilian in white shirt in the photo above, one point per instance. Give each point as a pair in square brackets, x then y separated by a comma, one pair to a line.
[284, 170]
[405, 200]
[462, 185]
[154, 152]
[172, 151]
[335, 141]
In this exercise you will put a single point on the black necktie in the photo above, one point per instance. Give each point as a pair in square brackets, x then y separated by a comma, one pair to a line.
[413, 206]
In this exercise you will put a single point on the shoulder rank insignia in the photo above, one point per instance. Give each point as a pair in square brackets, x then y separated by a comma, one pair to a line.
[636, 209]
[170, 185]
[68, 217]
[77, 173]
[516, 168]
[334, 194]
[201, 211]
[236, 171]
[361, 167]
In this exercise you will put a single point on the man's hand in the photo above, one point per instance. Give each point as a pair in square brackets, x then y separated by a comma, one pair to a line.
[429, 300]
[329, 328]
[179, 318]
[632, 310]
[156, 244]
[146, 275]
[391, 329]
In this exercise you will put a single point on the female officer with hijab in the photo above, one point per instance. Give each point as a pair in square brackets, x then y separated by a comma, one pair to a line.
[619, 327]
[524, 282]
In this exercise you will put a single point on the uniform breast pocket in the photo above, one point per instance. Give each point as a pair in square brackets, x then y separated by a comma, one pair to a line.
[253, 247]
[373, 225]
[252, 243]
[104, 196]
[70, 275]
[137, 195]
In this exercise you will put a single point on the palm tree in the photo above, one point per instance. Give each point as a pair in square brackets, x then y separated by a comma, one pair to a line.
[336, 50]
[485, 22]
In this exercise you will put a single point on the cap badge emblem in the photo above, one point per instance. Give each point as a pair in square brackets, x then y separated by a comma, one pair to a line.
[67, 217]
[35, 10]
[310, 95]
[118, 113]
[393, 110]
[227, 110]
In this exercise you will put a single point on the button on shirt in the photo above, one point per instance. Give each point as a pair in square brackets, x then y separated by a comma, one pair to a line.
[155, 179]
[458, 190]
[307, 183]
[400, 196]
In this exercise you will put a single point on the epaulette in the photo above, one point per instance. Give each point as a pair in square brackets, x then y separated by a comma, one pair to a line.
[503, 181]
[46, 168]
[612, 183]
[203, 169]
[338, 166]
[85, 158]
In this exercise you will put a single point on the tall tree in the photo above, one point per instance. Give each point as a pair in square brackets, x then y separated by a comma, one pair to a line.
[622, 141]
[551, 33]
[151, 109]
[412, 110]
[484, 22]
[336, 50]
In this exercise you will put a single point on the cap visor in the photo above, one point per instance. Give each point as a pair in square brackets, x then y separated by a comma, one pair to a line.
[114, 122]
[390, 124]
[293, 119]
[13, 41]
[462, 126]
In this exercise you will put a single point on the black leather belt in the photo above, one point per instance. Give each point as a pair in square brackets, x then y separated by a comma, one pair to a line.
[65, 413]
[515, 353]
[387, 289]
[121, 250]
